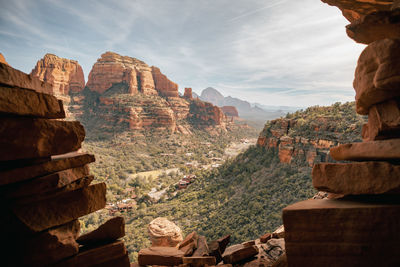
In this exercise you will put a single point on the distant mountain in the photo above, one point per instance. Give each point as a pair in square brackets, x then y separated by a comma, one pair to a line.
[254, 112]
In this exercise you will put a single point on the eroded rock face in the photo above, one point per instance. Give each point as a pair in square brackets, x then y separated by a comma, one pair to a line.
[2, 59]
[230, 111]
[377, 78]
[205, 114]
[164, 233]
[112, 68]
[188, 93]
[65, 75]
[163, 85]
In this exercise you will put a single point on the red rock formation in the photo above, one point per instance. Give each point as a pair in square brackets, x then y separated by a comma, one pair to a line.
[205, 114]
[64, 75]
[2, 59]
[112, 68]
[163, 85]
[230, 111]
[188, 93]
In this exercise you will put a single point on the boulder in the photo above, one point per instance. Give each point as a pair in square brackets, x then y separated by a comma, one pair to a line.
[279, 233]
[375, 26]
[12, 77]
[109, 231]
[60, 209]
[165, 256]
[199, 261]
[264, 238]
[46, 183]
[164, 233]
[358, 232]
[383, 121]
[239, 252]
[376, 77]
[113, 254]
[274, 248]
[217, 247]
[357, 178]
[55, 164]
[190, 238]
[25, 102]
[202, 247]
[45, 138]
[365, 151]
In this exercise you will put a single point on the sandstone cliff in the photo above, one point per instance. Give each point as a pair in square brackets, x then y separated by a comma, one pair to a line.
[306, 137]
[2, 59]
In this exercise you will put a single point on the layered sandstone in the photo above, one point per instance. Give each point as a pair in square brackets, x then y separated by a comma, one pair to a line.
[2, 59]
[65, 75]
[163, 85]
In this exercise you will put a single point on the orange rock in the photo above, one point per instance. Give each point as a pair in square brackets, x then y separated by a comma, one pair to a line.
[63, 74]
[375, 26]
[203, 114]
[264, 238]
[372, 150]
[188, 93]
[239, 252]
[357, 178]
[60, 209]
[63, 162]
[202, 247]
[12, 77]
[230, 111]
[326, 232]
[383, 121]
[163, 85]
[24, 102]
[377, 74]
[190, 238]
[109, 231]
[2, 59]
[355, 9]
[45, 138]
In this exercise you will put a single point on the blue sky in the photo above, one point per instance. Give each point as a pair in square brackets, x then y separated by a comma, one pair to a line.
[274, 52]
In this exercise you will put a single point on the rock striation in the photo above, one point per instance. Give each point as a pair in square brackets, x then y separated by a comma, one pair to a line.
[360, 225]
[44, 193]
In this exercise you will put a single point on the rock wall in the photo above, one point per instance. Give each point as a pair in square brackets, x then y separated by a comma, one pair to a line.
[163, 85]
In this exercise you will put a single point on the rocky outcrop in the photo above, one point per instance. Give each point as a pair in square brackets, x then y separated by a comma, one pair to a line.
[163, 85]
[2, 59]
[164, 233]
[230, 111]
[43, 194]
[65, 75]
[112, 68]
[202, 114]
[188, 93]
[359, 227]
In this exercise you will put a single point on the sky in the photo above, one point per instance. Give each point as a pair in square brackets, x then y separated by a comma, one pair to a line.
[273, 52]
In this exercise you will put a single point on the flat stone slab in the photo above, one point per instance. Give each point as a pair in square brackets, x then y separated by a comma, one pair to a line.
[199, 261]
[13, 77]
[342, 232]
[377, 77]
[372, 150]
[370, 177]
[60, 209]
[113, 254]
[239, 252]
[24, 102]
[109, 231]
[59, 163]
[202, 247]
[30, 138]
[375, 26]
[165, 256]
[44, 184]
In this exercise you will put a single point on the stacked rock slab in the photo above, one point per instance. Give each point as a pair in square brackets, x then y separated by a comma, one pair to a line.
[362, 227]
[42, 192]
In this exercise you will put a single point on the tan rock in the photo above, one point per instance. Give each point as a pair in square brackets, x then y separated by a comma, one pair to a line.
[264, 238]
[202, 247]
[24, 102]
[113, 254]
[383, 121]
[377, 74]
[109, 231]
[372, 150]
[165, 256]
[375, 26]
[46, 183]
[281, 262]
[239, 252]
[12, 77]
[61, 209]
[342, 232]
[18, 173]
[358, 178]
[279, 233]
[45, 138]
[199, 261]
[164, 233]
[50, 246]
[63, 74]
